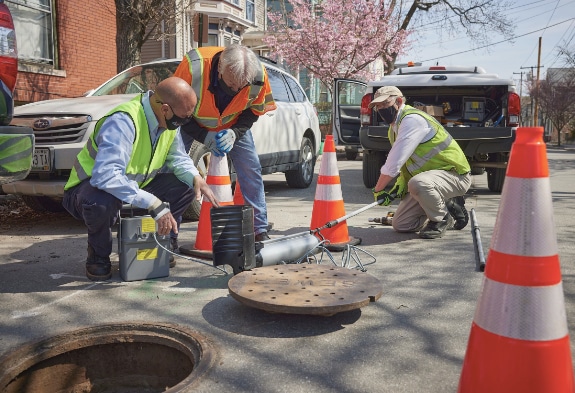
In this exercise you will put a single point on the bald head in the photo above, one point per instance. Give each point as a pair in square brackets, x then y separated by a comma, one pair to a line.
[178, 94]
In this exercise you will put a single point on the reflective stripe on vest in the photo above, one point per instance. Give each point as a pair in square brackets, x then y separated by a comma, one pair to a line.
[200, 83]
[16, 152]
[441, 151]
[148, 161]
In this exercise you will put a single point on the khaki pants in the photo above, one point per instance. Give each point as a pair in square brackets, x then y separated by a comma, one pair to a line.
[427, 193]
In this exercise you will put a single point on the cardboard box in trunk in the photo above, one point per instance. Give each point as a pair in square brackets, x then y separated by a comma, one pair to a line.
[433, 110]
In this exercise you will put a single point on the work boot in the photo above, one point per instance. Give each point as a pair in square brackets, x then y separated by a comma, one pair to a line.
[436, 229]
[456, 207]
[174, 247]
[260, 237]
[98, 268]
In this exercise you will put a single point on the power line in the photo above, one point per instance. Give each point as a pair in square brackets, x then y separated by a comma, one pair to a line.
[499, 42]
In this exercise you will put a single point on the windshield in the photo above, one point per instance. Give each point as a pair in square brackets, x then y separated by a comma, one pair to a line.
[137, 79]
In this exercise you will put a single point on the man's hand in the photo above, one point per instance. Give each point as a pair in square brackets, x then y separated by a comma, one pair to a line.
[202, 188]
[382, 197]
[225, 140]
[166, 223]
[160, 211]
[211, 142]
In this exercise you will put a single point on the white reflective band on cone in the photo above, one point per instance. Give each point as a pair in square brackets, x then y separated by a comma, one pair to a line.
[525, 224]
[222, 193]
[328, 192]
[523, 313]
[330, 158]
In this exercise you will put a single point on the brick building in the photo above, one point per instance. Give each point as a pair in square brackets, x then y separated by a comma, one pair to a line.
[67, 47]
[64, 47]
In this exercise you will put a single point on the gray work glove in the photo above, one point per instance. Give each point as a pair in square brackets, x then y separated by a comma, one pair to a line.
[226, 139]
[211, 142]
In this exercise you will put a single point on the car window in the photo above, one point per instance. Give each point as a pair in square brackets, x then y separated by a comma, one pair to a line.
[296, 91]
[279, 87]
[137, 79]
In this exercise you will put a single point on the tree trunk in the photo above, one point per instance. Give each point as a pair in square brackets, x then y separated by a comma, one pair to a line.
[129, 35]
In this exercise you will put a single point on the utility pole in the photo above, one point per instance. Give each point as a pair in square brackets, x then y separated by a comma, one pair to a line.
[536, 115]
[520, 89]
[520, 82]
[536, 85]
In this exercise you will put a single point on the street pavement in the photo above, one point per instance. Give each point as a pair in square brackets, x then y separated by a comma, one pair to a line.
[412, 339]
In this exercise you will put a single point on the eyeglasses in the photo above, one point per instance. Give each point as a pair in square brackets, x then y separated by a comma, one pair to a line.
[177, 120]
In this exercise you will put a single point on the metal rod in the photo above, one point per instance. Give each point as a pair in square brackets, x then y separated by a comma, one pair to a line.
[478, 247]
[333, 223]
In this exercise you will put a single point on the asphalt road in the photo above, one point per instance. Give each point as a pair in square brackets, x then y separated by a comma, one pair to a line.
[412, 339]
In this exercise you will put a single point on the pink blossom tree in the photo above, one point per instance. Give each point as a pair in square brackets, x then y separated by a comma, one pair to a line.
[334, 38]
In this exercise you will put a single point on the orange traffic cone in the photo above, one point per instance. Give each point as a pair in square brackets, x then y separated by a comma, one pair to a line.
[519, 341]
[219, 181]
[328, 203]
[238, 196]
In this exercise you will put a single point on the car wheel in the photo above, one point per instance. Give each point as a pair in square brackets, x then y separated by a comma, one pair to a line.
[351, 154]
[496, 176]
[43, 203]
[372, 162]
[302, 176]
[201, 157]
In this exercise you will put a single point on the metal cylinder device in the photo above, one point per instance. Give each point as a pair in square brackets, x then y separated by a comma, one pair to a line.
[286, 249]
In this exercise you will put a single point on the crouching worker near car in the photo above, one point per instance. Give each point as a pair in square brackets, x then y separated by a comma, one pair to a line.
[120, 164]
[234, 90]
[433, 173]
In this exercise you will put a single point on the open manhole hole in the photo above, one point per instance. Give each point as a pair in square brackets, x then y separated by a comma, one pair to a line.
[117, 358]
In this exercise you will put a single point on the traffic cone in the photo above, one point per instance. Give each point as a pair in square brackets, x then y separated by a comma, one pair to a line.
[519, 341]
[238, 196]
[328, 203]
[219, 181]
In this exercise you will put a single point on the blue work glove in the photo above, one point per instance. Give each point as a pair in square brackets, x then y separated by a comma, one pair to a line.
[382, 197]
[211, 142]
[225, 140]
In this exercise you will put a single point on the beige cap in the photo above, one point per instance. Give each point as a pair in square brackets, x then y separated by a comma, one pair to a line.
[383, 93]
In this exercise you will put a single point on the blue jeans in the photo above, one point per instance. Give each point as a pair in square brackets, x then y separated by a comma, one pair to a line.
[249, 175]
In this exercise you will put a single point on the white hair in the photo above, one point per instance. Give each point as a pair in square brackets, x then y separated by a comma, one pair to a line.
[241, 63]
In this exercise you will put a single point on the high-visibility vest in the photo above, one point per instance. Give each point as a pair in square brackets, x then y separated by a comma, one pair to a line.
[196, 68]
[15, 155]
[145, 161]
[440, 152]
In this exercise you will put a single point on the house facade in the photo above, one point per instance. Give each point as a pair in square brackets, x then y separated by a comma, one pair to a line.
[64, 47]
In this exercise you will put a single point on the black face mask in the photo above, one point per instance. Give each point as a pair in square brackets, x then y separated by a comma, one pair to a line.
[176, 121]
[388, 114]
[226, 89]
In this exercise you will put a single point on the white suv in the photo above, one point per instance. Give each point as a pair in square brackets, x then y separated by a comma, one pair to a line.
[287, 139]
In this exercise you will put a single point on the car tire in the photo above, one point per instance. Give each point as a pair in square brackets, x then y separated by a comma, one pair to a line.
[351, 154]
[372, 162]
[201, 157]
[302, 176]
[496, 176]
[43, 203]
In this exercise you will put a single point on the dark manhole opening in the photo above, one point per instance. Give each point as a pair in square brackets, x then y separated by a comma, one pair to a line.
[118, 358]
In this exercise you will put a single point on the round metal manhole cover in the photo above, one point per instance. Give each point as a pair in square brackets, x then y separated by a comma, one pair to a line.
[126, 358]
[305, 289]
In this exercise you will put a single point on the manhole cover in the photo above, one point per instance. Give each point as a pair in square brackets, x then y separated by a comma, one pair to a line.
[305, 289]
[126, 358]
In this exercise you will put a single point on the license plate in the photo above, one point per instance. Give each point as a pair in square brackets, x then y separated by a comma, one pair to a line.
[42, 161]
